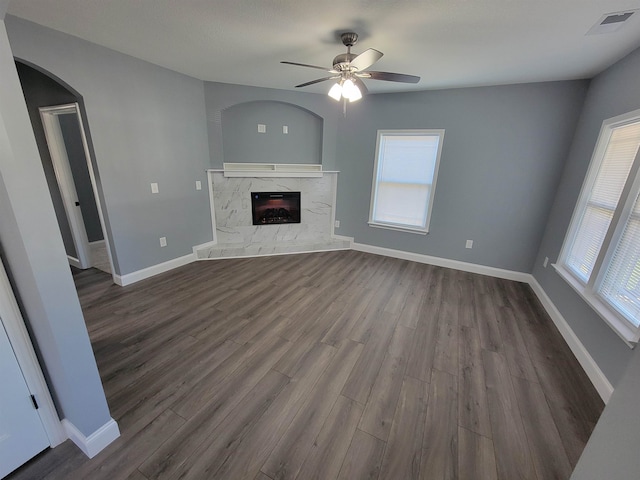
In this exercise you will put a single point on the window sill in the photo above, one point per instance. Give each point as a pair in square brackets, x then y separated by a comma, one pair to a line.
[627, 333]
[399, 228]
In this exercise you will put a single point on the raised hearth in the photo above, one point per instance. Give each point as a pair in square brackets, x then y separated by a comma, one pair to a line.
[235, 234]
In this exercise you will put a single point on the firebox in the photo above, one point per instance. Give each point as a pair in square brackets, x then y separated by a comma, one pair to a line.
[272, 208]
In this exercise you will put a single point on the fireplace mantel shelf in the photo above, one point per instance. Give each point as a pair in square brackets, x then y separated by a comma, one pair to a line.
[264, 170]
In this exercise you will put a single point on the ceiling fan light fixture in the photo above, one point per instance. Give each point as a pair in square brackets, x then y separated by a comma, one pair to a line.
[349, 68]
[336, 92]
[348, 88]
[356, 94]
[350, 91]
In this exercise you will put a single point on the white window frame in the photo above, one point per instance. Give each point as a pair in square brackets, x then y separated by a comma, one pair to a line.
[589, 291]
[397, 226]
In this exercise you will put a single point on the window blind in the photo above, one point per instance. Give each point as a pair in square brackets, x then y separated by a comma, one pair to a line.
[603, 200]
[406, 166]
[621, 285]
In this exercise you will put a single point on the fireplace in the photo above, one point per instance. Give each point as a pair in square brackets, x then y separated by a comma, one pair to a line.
[273, 208]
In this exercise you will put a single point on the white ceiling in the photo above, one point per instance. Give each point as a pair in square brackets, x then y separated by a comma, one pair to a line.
[449, 43]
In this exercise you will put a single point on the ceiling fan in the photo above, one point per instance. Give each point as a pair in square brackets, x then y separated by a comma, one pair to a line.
[348, 69]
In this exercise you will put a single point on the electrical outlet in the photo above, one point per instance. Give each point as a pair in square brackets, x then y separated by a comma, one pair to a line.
[285, 129]
[163, 241]
[262, 128]
[336, 224]
[154, 188]
[469, 244]
[198, 185]
[546, 262]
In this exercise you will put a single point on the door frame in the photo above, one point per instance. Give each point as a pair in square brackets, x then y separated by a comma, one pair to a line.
[64, 177]
[28, 361]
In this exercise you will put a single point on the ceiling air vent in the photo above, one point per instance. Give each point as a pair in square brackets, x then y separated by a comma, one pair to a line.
[611, 22]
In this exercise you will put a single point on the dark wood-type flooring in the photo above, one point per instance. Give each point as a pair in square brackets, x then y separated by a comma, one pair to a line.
[337, 365]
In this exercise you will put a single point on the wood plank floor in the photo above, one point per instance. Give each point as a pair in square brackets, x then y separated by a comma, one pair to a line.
[324, 366]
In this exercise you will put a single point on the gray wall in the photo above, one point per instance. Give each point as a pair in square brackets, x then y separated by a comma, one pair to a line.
[70, 129]
[502, 156]
[222, 96]
[36, 260]
[241, 141]
[148, 124]
[612, 451]
[615, 91]
[41, 91]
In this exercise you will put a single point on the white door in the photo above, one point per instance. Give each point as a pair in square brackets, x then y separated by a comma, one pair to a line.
[22, 435]
[64, 176]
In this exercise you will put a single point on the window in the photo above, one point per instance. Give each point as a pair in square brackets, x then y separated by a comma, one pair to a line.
[404, 179]
[600, 257]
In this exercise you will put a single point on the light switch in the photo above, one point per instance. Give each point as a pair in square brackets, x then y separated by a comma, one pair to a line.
[469, 244]
[154, 188]
[198, 185]
[262, 128]
[285, 129]
[163, 241]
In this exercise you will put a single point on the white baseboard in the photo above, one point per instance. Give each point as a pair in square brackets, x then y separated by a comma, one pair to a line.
[589, 365]
[73, 262]
[278, 254]
[136, 276]
[344, 239]
[97, 441]
[203, 245]
[444, 262]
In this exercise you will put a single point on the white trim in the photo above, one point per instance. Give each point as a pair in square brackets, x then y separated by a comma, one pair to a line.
[214, 225]
[201, 246]
[74, 262]
[133, 277]
[444, 262]
[334, 204]
[75, 108]
[423, 229]
[589, 365]
[399, 228]
[272, 170]
[590, 290]
[344, 239]
[64, 177]
[28, 361]
[619, 325]
[276, 254]
[97, 242]
[97, 441]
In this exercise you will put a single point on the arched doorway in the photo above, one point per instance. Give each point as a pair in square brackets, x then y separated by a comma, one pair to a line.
[64, 142]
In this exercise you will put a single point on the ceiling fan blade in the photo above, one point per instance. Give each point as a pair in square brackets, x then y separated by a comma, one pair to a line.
[392, 77]
[360, 84]
[310, 66]
[315, 81]
[366, 59]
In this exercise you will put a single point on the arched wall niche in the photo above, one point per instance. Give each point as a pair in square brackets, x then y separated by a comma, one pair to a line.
[243, 143]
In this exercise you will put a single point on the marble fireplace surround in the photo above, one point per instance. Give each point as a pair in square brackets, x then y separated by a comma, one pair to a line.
[234, 235]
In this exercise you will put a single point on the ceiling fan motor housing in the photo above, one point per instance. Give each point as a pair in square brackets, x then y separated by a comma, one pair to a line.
[351, 67]
[341, 62]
